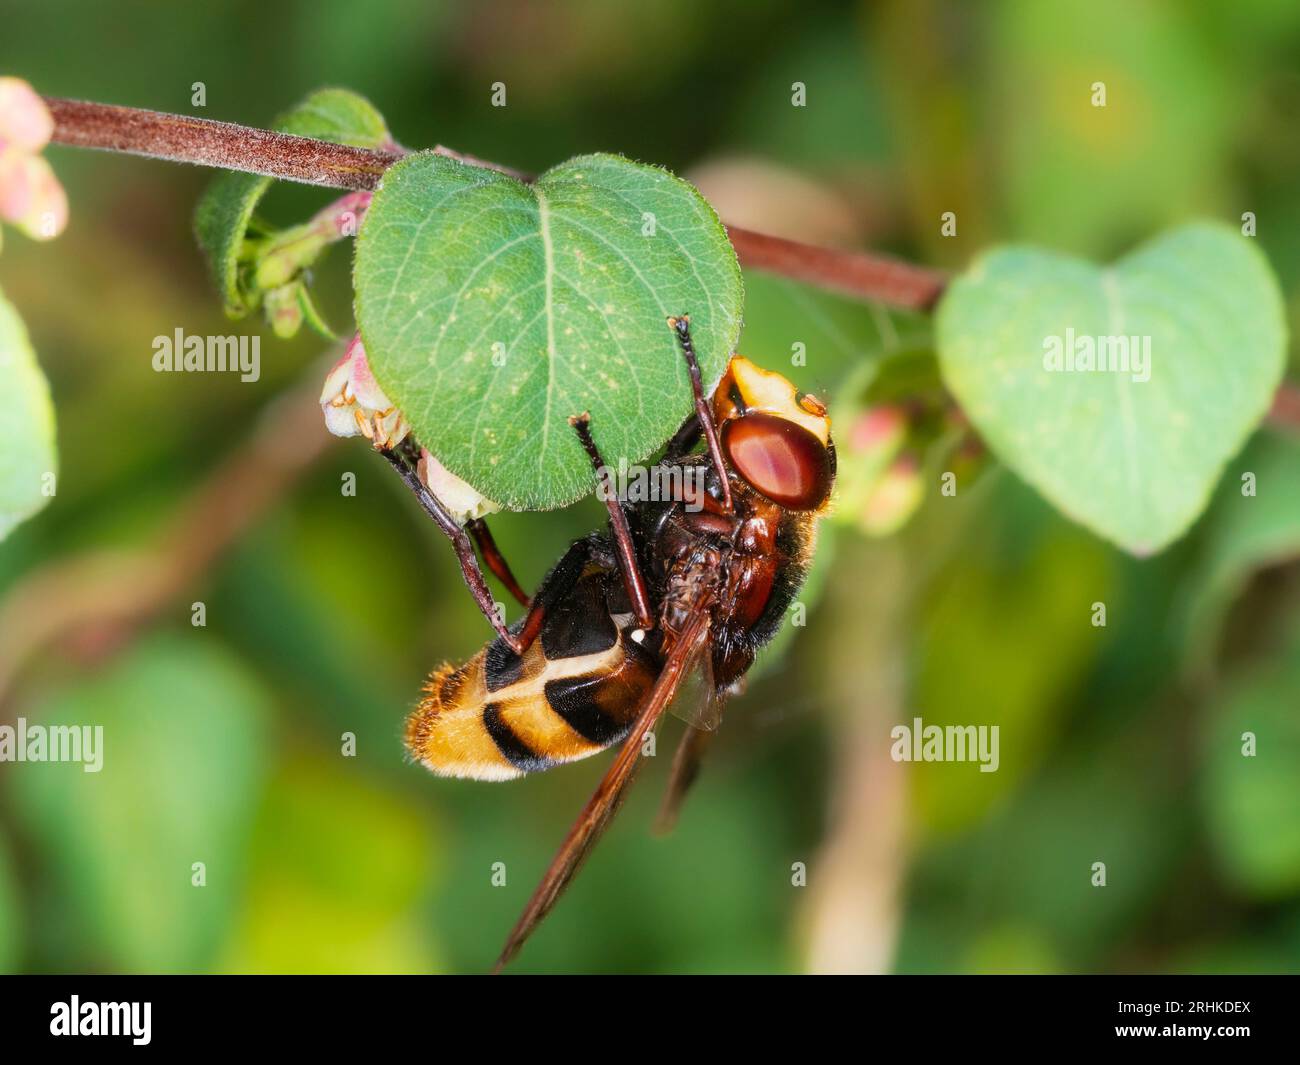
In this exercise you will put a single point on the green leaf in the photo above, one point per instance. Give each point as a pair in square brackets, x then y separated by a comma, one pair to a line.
[27, 450]
[340, 870]
[225, 214]
[492, 310]
[816, 337]
[1084, 175]
[1034, 855]
[11, 915]
[1133, 460]
[986, 620]
[1250, 799]
[1254, 523]
[182, 749]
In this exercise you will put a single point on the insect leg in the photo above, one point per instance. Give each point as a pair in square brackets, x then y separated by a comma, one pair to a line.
[636, 589]
[460, 542]
[685, 438]
[686, 768]
[487, 547]
[682, 327]
[693, 493]
[554, 587]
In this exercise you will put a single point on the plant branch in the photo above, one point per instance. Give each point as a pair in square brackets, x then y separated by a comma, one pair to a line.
[862, 275]
[183, 139]
[203, 141]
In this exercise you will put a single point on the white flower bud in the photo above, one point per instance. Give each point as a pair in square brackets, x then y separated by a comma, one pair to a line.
[461, 499]
[355, 405]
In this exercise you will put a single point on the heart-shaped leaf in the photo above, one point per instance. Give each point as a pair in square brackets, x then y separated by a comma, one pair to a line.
[1254, 523]
[224, 215]
[492, 310]
[1250, 788]
[172, 739]
[1119, 393]
[26, 425]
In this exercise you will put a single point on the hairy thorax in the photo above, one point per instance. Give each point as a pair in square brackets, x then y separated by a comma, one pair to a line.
[730, 561]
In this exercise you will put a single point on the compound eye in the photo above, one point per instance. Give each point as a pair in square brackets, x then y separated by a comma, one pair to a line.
[780, 459]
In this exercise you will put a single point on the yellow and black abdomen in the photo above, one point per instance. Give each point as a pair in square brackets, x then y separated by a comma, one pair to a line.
[574, 692]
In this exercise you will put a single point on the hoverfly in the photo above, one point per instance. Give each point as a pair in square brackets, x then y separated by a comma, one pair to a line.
[697, 582]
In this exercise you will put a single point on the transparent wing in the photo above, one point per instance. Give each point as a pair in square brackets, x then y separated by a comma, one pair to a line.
[697, 701]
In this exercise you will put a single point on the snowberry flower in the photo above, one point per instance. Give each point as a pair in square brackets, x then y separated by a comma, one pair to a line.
[25, 121]
[31, 197]
[894, 498]
[464, 501]
[355, 405]
[878, 431]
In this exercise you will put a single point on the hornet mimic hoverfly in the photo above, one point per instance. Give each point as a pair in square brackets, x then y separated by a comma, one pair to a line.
[696, 582]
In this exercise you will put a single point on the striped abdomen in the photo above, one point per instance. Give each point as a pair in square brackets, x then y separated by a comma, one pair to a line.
[575, 691]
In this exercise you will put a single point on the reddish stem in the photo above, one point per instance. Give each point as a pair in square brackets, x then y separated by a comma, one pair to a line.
[184, 139]
[180, 138]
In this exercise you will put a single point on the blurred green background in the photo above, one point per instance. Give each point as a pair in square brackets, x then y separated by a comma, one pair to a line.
[1119, 744]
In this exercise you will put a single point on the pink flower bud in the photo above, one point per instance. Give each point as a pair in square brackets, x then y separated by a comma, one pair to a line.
[32, 198]
[25, 121]
[878, 429]
[355, 405]
[15, 185]
[894, 499]
[284, 309]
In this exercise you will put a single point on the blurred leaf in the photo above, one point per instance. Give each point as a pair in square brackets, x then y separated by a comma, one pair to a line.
[225, 214]
[11, 917]
[1026, 624]
[1272, 948]
[1251, 801]
[906, 375]
[1132, 459]
[1029, 867]
[1088, 177]
[493, 310]
[845, 119]
[183, 751]
[389, 48]
[637, 903]
[26, 424]
[1012, 948]
[816, 338]
[1247, 533]
[338, 868]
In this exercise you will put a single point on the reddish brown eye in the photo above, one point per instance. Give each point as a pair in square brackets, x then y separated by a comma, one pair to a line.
[782, 460]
